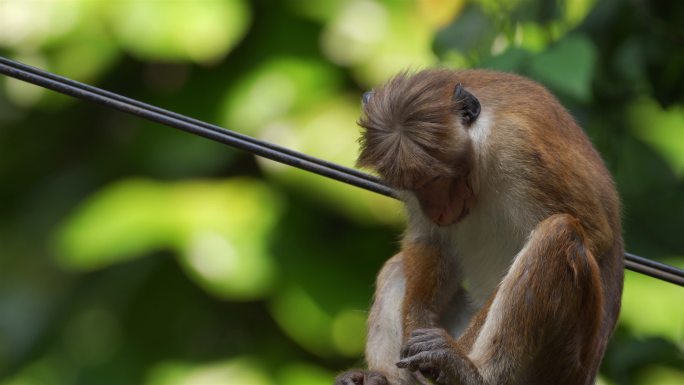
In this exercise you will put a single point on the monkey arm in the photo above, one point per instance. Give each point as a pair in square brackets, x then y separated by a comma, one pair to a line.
[430, 285]
[541, 327]
[402, 304]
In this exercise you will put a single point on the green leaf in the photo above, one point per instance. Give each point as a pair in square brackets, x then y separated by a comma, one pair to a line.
[661, 301]
[120, 222]
[513, 59]
[663, 130]
[303, 320]
[577, 10]
[219, 230]
[304, 374]
[317, 329]
[179, 30]
[241, 371]
[275, 89]
[567, 67]
[373, 39]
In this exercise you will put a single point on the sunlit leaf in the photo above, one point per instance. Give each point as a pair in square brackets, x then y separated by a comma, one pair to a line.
[349, 332]
[304, 374]
[303, 320]
[277, 88]
[567, 67]
[356, 31]
[229, 266]
[372, 38]
[662, 129]
[118, 223]
[532, 37]
[71, 38]
[27, 25]
[576, 10]
[440, 12]
[86, 56]
[22, 93]
[219, 230]
[239, 371]
[179, 30]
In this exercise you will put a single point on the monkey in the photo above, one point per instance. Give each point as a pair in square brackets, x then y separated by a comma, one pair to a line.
[510, 269]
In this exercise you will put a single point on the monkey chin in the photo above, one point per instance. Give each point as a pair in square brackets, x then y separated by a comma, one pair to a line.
[445, 200]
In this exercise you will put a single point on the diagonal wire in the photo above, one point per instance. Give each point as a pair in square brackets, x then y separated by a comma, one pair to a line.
[268, 150]
[271, 151]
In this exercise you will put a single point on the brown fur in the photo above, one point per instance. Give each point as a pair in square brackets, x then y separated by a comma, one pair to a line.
[553, 312]
[404, 124]
[425, 295]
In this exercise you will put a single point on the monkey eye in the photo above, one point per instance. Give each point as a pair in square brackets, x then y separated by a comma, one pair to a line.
[366, 97]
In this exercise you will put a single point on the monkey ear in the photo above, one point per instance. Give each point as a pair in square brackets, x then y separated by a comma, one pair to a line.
[366, 97]
[466, 105]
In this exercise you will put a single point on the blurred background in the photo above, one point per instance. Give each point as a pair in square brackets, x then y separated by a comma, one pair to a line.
[131, 253]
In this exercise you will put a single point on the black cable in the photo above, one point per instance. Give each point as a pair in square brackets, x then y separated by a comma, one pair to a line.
[654, 269]
[268, 150]
[178, 116]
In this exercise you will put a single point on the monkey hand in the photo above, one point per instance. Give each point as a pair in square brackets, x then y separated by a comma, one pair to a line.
[361, 377]
[432, 352]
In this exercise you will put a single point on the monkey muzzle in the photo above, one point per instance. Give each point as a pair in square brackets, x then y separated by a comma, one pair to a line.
[445, 200]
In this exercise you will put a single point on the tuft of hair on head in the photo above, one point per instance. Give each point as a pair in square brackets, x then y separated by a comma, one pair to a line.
[411, 128]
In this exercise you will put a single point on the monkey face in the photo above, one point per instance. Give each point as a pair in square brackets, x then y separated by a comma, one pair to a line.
[445, 200]
[415, 138]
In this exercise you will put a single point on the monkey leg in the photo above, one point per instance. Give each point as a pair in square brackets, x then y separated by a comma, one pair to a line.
[541, 326]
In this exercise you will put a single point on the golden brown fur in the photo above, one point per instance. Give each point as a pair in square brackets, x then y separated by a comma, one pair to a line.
[513, 221]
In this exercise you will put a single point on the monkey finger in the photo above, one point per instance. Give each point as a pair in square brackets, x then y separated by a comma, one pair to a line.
[411, 348]
[413, 363]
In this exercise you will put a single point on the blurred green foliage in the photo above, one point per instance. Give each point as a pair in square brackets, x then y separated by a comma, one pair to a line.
[255, 273]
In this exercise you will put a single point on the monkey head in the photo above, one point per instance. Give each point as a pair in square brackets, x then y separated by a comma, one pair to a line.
[416, 138]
